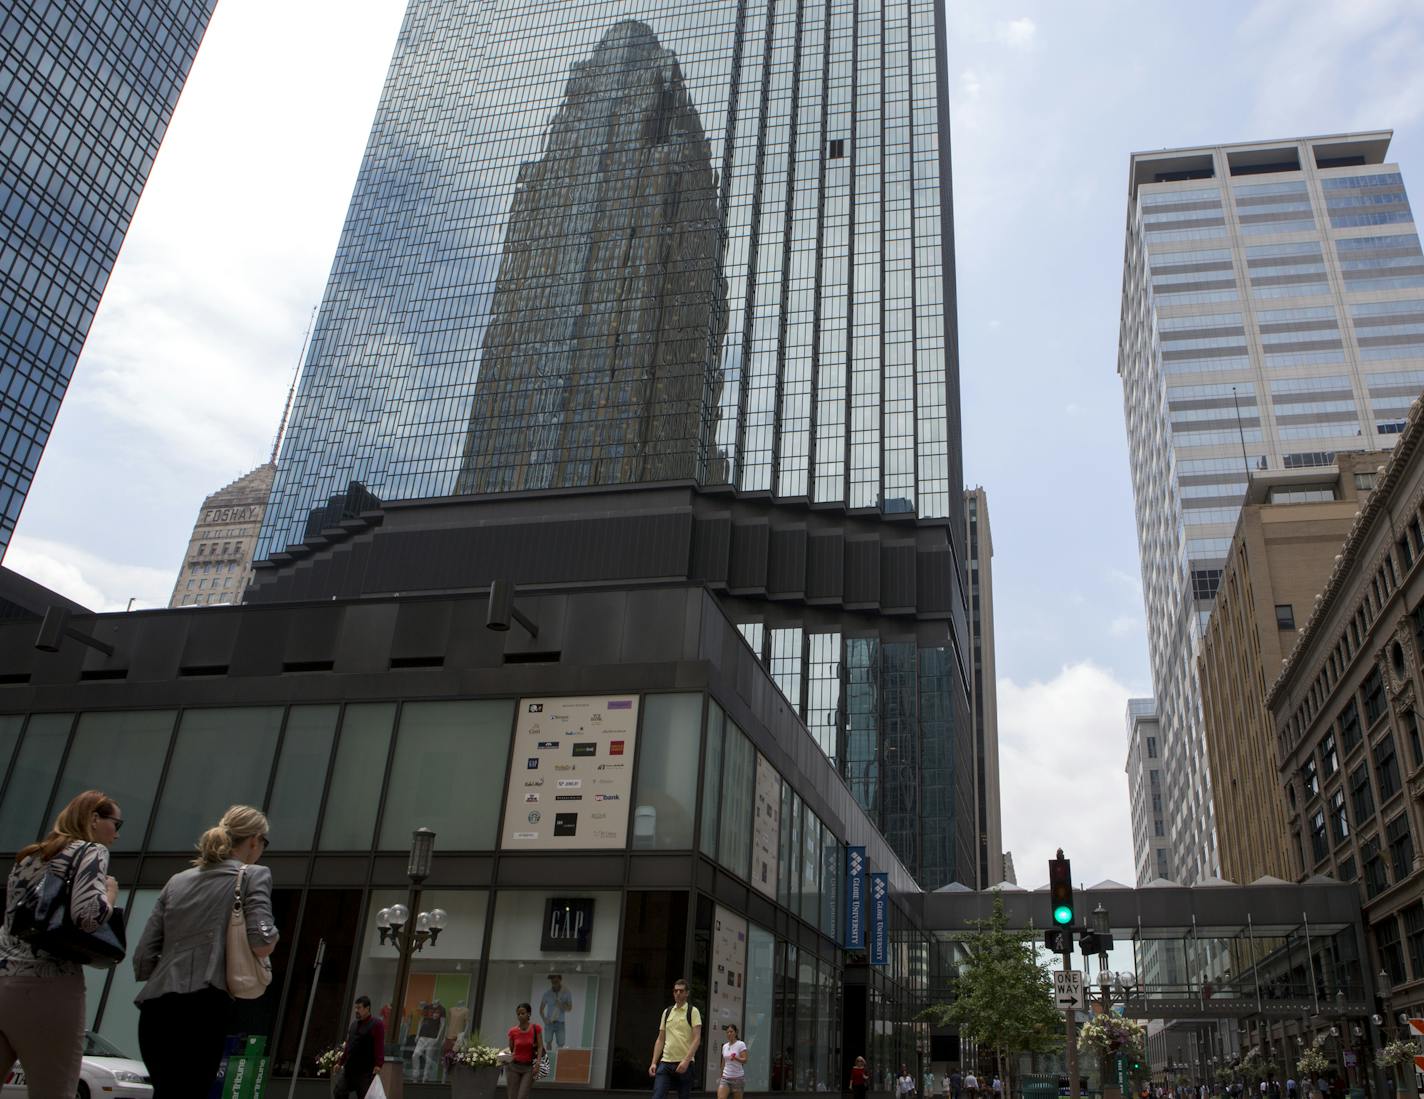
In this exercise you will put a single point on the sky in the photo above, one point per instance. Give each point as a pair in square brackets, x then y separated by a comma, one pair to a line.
[181, 384]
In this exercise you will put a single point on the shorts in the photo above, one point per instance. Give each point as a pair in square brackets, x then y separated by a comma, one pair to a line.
[733, 1083]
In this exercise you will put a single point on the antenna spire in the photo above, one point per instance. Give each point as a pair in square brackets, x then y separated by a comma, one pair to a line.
[292, 389]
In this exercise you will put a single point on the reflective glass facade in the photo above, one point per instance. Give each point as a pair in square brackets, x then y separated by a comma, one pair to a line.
[1272, 316]
[86, 93]
[631, 241]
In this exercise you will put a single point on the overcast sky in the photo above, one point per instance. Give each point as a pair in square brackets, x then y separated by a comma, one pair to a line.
[182, 381]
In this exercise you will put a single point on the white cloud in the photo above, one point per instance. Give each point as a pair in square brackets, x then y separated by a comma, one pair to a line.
[1124, 624]
[1062, 750]
[1018, 33]
[90, 580]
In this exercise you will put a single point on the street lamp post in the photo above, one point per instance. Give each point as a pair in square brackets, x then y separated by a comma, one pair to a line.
[408, 930]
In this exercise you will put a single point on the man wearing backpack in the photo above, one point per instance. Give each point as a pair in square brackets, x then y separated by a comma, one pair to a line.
[679, 1036]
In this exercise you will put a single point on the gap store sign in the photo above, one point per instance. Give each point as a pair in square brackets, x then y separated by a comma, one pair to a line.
[855, 899]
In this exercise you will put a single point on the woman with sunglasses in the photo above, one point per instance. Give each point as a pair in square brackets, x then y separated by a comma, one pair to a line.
[184, 1006]
[42, 997]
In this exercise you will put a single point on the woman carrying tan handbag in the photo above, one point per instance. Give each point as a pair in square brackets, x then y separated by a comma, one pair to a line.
[187, 962]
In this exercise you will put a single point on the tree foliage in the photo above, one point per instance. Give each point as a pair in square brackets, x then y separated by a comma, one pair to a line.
[1003, 996]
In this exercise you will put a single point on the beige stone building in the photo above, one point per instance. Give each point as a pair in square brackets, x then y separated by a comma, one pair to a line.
[1292, 525]
[218, 563]
[1345, 713]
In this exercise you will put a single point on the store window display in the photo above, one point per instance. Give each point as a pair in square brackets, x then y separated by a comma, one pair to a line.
[440, 989]
[556, 951]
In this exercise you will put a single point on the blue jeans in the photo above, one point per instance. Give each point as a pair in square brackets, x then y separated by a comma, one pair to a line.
[668, 1077]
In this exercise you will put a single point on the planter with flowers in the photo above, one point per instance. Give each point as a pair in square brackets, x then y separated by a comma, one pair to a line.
[1399, 1055]
[473, 1069]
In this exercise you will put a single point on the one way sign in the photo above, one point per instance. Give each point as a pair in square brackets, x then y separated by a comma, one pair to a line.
[1068, 990]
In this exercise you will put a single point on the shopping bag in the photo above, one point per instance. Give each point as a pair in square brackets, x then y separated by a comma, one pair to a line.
[377, 1090]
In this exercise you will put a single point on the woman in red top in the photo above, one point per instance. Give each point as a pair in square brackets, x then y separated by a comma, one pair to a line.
[526, 1045]
[859, 1077]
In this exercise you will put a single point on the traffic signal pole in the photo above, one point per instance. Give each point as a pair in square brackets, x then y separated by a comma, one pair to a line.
[1060, 895]
[1071, 1028]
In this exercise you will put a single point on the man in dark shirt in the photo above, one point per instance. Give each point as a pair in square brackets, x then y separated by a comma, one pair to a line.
[365, 1050]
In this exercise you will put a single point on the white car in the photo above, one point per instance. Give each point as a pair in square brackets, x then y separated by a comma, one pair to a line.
[105, 1073]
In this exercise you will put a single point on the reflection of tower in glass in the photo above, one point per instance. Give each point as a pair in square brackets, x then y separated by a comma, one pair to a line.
[598, 363]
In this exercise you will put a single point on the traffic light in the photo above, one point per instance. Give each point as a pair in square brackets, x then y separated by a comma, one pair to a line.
[1088, 942]
[1060, 890]
[1059, 940]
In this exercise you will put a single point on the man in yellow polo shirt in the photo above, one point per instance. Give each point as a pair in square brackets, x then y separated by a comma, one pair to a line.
[679, 1035]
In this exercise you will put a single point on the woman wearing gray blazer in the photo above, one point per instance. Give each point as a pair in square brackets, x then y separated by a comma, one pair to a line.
[184, 1006]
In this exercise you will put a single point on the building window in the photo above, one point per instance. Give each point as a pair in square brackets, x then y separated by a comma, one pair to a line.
[1152, 747]
[1376, 877]
[1318, 846]
[1349, 725]
[1161, 862]
[1361, 798]
[1374, 696]
[1348, 870]
[1414, 936]
[1308, 777]
[1386, 768]
[1329, 758]
[1390, 952]
[1411, 732]
[1285, 616]
[837, 148]
[1401, 846]
[1339, 822]
[1158, 828]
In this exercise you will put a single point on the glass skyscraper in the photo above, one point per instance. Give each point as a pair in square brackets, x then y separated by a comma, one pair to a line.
[1272, 316]
[634, 241]
[86, 94]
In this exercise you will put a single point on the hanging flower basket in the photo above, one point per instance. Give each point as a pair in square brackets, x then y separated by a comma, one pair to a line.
[1110, 1035]
[1313, 1061]
[1396, 1054]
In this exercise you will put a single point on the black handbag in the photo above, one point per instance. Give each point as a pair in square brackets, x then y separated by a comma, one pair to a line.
[42, 919]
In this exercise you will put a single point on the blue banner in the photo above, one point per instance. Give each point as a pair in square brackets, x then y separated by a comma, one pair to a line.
[855, 899]
[879, 919]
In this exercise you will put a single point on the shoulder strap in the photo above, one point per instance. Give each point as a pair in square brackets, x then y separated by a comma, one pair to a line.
[237, 897]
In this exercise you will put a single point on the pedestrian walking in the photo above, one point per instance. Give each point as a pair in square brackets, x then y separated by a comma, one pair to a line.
[734, 1064]
[956, 1084]
[364, 1051]
[998, 1086]
[1291, 1087]
[929, 1085]
[971, 1084]
[184, 1005]
[904, 1083]
[859, 1078]
[526, 1049]
[679, 1036]
[42, 1009]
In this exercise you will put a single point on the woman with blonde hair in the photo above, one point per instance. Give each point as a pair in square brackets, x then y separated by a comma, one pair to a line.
[184, 1006]
[42, 996]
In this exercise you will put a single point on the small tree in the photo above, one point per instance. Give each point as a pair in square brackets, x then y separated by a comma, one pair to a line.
[1003, 996]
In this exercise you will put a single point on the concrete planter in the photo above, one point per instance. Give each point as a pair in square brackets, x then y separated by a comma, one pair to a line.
[473, 1083]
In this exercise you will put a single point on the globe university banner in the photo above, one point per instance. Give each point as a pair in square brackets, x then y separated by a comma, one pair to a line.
[879, 919]
[855, 899]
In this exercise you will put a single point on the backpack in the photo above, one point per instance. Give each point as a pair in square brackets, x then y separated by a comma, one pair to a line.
[687, 1014]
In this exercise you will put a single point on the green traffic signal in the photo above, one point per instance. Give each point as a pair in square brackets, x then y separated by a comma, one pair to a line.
[1062, 914]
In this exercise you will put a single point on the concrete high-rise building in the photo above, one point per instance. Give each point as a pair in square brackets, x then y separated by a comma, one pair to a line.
[1150, 848]
[984, 701]
[1292, 526]
[1271, 318]
[86, 93]
[680, 242]
[218, 564]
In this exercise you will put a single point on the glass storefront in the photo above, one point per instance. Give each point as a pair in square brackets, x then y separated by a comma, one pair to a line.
[345, 784]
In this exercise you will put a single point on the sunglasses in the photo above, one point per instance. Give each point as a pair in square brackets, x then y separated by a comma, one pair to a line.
[118, 822]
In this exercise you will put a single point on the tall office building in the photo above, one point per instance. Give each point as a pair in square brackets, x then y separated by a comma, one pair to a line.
[218, 563]
[1272, 316]
[679, 242]
[989, 834]
[86, 93]
[1151, 856]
